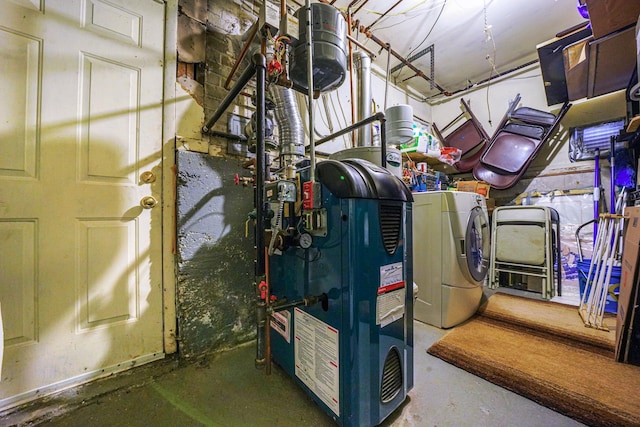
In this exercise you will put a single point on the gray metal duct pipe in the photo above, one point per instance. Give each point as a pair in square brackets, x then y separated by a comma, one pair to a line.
[362, 63]
[291, 131]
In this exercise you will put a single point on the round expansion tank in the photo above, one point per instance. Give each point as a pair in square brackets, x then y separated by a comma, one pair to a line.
[399, 124]
[329, 58]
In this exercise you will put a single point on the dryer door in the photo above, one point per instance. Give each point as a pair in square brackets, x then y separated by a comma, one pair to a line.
[477, 244]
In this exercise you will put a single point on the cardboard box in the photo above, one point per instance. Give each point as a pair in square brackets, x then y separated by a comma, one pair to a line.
[628, 297]
[552, 66]
[479, 187]
[576, 68]
[607, 16]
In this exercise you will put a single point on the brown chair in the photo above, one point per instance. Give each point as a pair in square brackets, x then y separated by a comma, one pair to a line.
[518, 139]
[469, 136]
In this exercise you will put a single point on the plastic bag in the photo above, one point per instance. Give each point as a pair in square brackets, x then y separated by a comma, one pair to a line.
[450, 155]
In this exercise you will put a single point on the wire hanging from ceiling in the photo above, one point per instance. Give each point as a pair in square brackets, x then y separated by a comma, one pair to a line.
[444, 3]
[490, 57]
[408, 14]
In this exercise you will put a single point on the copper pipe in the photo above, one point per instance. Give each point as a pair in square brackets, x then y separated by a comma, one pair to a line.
[361, 46]
[243, 52]
[284, 81]
[404, 61]
[384, 14]
[352, 3]
[350, 49]
[267, 334]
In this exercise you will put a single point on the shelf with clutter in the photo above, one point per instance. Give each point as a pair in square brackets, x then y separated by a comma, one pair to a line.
[425, 148]
[593, 58]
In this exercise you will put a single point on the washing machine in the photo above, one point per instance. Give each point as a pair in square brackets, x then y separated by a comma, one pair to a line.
[450, 255]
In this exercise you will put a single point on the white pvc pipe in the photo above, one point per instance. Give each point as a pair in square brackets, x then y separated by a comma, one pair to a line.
[594, 256]
[601, 266]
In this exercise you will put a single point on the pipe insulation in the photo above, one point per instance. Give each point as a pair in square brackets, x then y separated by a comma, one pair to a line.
[362, 63]
[291, 130]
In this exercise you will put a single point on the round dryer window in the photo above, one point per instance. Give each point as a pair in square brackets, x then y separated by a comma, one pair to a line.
[477, 244]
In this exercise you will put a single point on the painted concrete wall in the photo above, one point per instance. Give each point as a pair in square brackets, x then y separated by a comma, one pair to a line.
[214, 259]
[215, 290]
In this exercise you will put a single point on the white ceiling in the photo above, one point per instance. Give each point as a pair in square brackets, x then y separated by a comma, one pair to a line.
[467, 36]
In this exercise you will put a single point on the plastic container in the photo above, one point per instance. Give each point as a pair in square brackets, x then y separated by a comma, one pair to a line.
[611, 305]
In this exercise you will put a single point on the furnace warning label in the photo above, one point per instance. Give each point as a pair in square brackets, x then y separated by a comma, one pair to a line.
[391, 274]
[316, 358]
[280, 323]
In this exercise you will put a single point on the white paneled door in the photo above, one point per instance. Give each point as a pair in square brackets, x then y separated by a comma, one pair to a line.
[80, 147]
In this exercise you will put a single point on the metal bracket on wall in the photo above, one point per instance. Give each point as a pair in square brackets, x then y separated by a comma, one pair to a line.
[430, 50]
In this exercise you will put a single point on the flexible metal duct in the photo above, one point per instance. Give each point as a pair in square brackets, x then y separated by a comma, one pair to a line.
[362, 63]
[289, 124]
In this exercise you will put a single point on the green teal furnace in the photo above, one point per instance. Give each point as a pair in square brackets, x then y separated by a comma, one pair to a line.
[352, 351]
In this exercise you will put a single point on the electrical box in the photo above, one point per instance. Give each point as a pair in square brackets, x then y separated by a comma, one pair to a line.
[315, 222]
[290, 27]
[269, 18]
[280, 191]
[311, 195]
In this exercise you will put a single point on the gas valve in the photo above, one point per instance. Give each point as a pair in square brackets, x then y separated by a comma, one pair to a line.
[237, 179]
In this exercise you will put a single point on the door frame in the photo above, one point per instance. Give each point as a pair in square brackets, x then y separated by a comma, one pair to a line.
[169, 178]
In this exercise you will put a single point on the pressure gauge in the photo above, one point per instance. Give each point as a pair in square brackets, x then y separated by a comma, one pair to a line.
[305, 240]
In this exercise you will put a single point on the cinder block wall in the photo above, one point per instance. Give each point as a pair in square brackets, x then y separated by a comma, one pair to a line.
[215, 290]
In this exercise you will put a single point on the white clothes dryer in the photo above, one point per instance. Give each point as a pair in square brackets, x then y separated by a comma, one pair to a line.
[450, 255]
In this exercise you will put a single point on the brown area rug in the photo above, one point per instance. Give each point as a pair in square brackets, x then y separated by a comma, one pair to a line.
[541, 350]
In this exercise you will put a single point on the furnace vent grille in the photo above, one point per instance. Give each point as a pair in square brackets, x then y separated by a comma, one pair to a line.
[391, 376]
[390, 225]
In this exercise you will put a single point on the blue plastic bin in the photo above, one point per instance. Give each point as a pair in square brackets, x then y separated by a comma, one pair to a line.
[611, 306]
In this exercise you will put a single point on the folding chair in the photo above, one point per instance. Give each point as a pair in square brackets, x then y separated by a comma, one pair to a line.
[469, 136]
[526, 242]
[518, 139]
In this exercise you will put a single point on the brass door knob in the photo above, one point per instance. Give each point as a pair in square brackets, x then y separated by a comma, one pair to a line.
[148, 177]
[148, 202]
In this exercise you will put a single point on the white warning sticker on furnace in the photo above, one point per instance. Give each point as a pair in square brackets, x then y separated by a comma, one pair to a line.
[280, 324]
[316, 357]
[390, 274]
[390, 304]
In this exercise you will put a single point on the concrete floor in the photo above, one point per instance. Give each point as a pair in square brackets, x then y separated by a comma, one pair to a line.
[226, 390]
